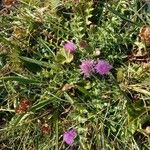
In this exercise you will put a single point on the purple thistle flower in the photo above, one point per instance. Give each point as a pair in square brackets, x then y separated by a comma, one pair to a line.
[87, 67]
[103, 67]
[69, 136]
[70, 47]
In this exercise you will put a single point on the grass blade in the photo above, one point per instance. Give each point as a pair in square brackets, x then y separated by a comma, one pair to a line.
[38, 62]
[20, 79]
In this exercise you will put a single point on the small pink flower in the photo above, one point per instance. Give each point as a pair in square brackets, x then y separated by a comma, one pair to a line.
[87, 67]
[103, 67]
[70, 47]
[69, 136]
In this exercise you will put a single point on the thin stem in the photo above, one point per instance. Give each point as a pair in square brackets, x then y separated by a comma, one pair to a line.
[9, 110]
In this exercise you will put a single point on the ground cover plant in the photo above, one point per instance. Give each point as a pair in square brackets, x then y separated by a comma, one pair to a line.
[74, 74]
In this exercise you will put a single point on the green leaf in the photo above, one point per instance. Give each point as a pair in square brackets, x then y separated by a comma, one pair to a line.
[8, 42]
[46, 44]
[38, 62]
[68, 98]
[120, 74]
[54, 3]
[20, 79]
[63, 57]
[83, 90]
[18, 120]
[43, 103]
[120, 15]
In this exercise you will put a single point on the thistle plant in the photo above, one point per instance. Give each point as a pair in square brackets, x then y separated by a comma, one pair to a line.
[72, 77]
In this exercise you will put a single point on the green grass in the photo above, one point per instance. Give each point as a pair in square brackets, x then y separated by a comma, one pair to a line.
[110, 112]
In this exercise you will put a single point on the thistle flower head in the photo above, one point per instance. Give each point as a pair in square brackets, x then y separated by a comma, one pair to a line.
[69, 136]
[103, 67]
[70, 47]
[87, 67]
